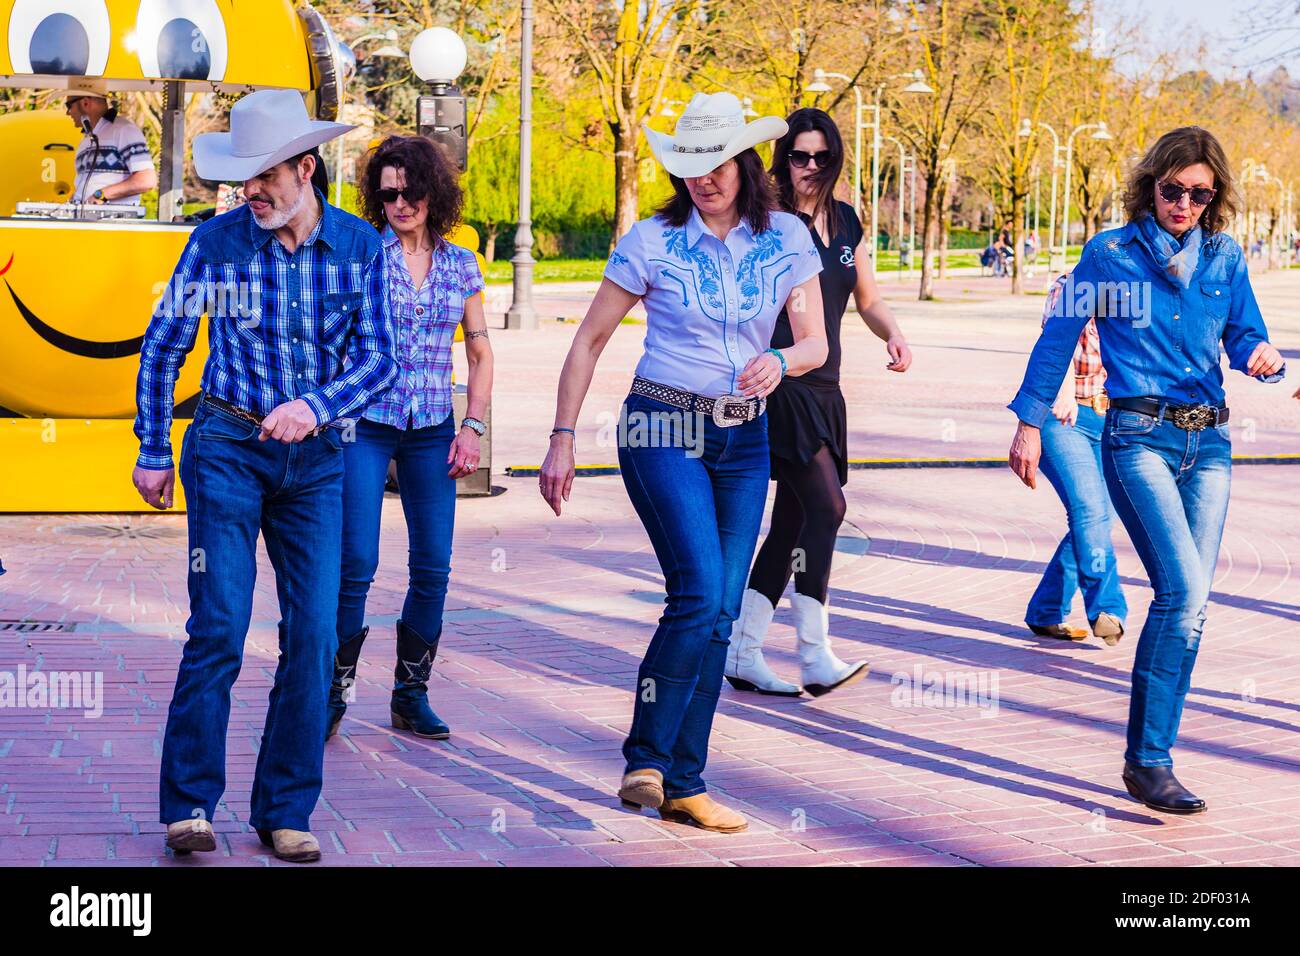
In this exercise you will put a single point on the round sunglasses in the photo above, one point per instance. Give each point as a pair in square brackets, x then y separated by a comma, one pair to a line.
[1173, 192]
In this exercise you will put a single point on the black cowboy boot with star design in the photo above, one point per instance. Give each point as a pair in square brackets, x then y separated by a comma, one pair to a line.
[345, 677]
[410, 705]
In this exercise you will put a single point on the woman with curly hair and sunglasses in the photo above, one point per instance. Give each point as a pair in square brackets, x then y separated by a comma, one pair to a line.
[410, 192]
[808, 426]
[1168, 290]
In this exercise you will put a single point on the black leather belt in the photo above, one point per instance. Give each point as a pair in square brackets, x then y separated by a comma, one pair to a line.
[1191, 418]
[726, 411]
[246, 415]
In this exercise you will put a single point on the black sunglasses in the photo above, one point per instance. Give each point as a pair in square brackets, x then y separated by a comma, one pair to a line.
[410, 194]
[799, 158]
[1172, 192]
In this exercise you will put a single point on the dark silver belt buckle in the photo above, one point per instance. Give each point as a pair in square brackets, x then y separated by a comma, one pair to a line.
[1194, 418]
[722, 419]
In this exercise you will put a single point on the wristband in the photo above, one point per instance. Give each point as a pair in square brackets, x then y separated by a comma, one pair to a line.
[781, 359]
[554, 431]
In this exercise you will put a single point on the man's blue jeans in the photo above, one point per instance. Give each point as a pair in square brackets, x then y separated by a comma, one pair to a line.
[236, 486]
[429, 504]
[1170, 488]
[700, 491]
[1085, 559]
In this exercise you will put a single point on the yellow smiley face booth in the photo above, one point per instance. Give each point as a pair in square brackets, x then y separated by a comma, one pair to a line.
[77, 286]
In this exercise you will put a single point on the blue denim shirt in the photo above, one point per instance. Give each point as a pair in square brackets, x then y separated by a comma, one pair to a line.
[1158, 339]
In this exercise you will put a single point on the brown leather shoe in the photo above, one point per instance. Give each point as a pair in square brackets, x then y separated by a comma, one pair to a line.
[642, 788]
[704, 812]
[1108, 627]
[296, 846]
[1064, 632]
[186, 836]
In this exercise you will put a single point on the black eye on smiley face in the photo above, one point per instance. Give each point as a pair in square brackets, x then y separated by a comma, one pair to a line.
[181, 39]
[59, 37]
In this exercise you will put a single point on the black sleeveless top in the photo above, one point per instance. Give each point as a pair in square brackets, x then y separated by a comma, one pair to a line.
[838, 278]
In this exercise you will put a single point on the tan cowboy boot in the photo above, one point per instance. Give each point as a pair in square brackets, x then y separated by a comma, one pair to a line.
[642, 788]
[296, 846]
[1108, 627]
[704, 812]
[186, 836]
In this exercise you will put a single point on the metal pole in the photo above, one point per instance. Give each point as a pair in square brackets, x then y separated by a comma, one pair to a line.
[875, 186]
[911, 226]
[171, 175]
[522, 315]
[857, 152]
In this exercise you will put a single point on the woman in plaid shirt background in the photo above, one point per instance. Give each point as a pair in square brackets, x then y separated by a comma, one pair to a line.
[409, 190]
[1084, 560]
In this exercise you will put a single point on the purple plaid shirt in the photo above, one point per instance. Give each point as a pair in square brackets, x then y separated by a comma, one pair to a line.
[424, 323]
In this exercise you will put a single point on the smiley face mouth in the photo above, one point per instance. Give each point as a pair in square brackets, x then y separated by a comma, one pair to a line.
[84, 348]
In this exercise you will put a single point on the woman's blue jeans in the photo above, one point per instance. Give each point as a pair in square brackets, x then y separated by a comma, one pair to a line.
[429, 502]
[1085, 559]
[1170, 488]
[700, 491]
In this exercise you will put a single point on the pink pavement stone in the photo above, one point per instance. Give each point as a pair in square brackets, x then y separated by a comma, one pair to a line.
[547, 619]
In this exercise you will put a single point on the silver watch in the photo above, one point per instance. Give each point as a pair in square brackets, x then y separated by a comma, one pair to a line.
[477, 426]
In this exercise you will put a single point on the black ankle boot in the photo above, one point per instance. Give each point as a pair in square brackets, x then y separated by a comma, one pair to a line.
[410, 705]
[1159, 789]
[345, 677]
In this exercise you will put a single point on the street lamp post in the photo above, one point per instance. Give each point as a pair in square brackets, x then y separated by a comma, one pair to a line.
[819, 85]
[522, 315]
[902, 168]
[1102, 133]
[1054, 265]
[918, 85]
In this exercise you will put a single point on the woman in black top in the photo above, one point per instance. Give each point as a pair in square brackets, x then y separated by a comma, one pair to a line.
[807, 426]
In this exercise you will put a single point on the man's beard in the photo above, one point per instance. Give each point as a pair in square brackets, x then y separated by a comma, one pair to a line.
[278, 218]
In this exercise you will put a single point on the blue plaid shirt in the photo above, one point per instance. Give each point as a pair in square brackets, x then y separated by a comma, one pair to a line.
[280, 326]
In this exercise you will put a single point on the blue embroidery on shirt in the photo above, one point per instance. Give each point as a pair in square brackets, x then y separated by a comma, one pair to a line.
[617, 258]
[766, 245]
[709, 283]
[668, 275]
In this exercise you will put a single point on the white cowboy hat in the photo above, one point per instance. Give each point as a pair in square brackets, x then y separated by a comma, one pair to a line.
[266, 127]
[82, 86]
[710, 131]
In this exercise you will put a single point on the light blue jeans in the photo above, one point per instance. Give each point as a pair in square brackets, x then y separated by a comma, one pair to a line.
[1170, 488]
[1084, 560]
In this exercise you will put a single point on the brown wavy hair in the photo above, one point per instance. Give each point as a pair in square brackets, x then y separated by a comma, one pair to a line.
[755, 202]
[427, 169]
[1172, 153]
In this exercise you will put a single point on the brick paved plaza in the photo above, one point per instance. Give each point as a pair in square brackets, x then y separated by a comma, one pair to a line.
[547, 619]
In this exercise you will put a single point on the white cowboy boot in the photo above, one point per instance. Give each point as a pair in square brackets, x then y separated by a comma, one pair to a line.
[822, 671]
[746, 669]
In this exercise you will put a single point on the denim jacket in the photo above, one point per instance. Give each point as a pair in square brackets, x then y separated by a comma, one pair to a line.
[1158, 339]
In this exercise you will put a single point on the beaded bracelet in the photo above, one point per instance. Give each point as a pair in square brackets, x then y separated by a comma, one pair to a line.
[781, 359]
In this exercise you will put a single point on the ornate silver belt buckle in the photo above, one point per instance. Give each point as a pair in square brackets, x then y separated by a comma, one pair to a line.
[720, 406]
[1193, 418]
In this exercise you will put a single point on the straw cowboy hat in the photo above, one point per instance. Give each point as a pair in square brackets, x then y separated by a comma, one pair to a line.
[710, 131]
[82, 86]
[266, 127]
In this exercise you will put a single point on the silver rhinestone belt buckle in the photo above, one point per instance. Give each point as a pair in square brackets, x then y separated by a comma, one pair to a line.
[1194, 418]
[745, 407]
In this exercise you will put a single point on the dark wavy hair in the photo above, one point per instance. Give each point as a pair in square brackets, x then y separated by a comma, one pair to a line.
[1171, 154]
[756, 200]
[428, 170]
[810, 120]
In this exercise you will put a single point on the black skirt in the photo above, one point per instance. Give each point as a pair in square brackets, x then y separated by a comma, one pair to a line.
[803, 417]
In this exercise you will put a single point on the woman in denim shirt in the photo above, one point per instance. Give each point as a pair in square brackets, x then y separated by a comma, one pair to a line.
[713, 268]
[1168, 290]
[409, 190]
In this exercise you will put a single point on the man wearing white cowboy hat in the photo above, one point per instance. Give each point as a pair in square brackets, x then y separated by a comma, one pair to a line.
[292, 287]
[113, 161]
[713, 268]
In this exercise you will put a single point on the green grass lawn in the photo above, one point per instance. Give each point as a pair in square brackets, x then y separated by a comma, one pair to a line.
[590, 270]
